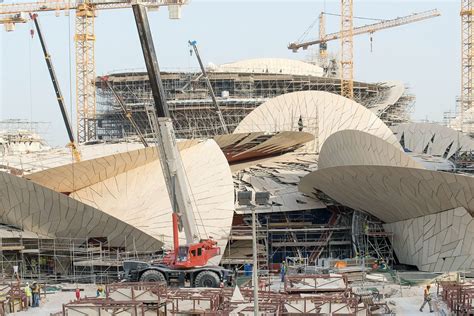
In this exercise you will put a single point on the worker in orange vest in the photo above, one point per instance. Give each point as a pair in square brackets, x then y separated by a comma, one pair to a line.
[427, 299]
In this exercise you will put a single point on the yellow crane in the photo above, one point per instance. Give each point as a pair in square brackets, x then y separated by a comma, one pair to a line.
[9, 21]
[346, 34]
[347, 49]
[467, 61]
[86, 11]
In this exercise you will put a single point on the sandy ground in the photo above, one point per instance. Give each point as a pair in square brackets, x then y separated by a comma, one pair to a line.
[53, 302]
[407, 302]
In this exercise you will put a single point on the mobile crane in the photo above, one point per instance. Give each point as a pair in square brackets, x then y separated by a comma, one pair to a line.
[185, 263]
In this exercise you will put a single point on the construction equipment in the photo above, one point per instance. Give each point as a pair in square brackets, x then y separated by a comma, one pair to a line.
[467, 61]
[184, 262]
[347, 32]
[10, 21]
[59, 96]
[193, 44]
[347, 50]
[84, 37]
[370, 29]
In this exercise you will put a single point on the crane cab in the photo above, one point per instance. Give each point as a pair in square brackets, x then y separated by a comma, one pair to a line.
[195, 255]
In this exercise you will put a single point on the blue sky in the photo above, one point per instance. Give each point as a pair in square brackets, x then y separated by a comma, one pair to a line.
[424, 55]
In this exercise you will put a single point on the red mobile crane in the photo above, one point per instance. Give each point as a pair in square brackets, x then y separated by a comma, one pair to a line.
[185, 263]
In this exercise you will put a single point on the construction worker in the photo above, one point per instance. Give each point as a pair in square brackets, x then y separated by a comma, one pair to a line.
[78, 293]
[28, 294]
[100, 291]
[35, 288]
[283, 271]
[427, 299]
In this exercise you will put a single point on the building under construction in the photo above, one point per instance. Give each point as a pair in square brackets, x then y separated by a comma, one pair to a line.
[292, 229]
[240, 87]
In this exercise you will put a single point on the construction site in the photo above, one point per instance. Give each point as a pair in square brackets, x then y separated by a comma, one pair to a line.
[263, 186]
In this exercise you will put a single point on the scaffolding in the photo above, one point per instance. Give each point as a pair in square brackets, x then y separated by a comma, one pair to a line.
[309, 235]
[238, 93]
[55, 260]
[370, 238]
[16, 125]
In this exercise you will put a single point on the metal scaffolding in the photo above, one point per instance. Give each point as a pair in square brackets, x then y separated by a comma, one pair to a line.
[53, 260]
[238, 94]
[307, 234]
[370, 238]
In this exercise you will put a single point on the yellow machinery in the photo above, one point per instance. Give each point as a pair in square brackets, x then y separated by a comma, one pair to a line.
[467, 59]
[346, 34]
[85, 39]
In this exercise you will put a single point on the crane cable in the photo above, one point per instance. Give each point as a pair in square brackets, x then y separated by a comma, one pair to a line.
[311, 26]
[195, 204]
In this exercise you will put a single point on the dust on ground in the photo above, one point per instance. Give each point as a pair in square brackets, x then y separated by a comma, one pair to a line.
[53, 302]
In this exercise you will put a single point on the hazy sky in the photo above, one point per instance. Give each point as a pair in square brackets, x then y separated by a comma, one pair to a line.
[424, 55]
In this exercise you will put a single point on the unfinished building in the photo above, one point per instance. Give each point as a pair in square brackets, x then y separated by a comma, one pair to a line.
[240, 87]
[290, 139]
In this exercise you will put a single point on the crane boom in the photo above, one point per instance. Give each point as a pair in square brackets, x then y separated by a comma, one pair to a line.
[84, 37]
[10, 20]
[170, 158]
[50, 5]
[209, 87]
[347, 49]
[371, 28]
[57, 89]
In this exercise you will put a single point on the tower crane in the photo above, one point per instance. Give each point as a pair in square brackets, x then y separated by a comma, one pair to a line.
[189, 261]
[86, 11]
[347, 32]
[467, 59]
[347, 49]
[9, 21]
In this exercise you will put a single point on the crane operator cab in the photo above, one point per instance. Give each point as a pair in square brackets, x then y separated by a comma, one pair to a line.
[182, 254]
[196, 255]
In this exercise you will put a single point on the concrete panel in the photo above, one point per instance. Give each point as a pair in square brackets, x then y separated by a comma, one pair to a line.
[444, 254]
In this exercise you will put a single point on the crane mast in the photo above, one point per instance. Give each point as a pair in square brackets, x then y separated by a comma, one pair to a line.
[347, 49]
[170, 159]
[323, 46]
[467, 60]
[84, 38]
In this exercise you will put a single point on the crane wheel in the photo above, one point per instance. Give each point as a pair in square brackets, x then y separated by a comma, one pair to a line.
[152, 276]
[207, 279]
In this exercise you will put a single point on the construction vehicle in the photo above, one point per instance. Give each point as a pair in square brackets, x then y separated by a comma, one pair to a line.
[57, 90]
[185, 263]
